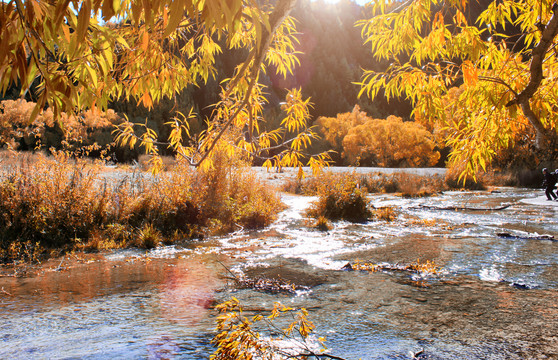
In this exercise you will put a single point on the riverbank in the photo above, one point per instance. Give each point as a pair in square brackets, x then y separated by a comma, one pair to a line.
[57, 204]
[540, 200]
[279, 178]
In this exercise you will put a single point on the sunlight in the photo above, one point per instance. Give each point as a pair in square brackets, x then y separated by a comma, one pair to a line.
[359, 2]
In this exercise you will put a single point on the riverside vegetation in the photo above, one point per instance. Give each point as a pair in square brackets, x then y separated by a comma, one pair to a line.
[58, 203]
[343, 196]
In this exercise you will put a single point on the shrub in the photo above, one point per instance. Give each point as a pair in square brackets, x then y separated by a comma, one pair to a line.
[391, 142]
[322, 224]
[343, 199]
[148, 237]
[411, 185]
[334, 129]
[386, 213]
[58, 202]
[499, 178]
[87, 131]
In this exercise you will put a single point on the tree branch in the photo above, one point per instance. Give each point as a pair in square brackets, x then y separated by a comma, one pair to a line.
[281, 11]
[537, 57]
[549, 32]
[498, 81]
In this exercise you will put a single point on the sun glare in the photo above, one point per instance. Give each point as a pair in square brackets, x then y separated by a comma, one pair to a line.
[360, 2]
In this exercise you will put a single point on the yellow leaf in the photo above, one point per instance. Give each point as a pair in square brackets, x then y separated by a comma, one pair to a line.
[83, 20]
[146, 100]
[470, 74]
[176, 16]
[144, 41]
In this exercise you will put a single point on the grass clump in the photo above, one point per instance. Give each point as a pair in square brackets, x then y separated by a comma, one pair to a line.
[148, 237]
[322, 224]
[341, 198]
[386, 213]
[62, 203]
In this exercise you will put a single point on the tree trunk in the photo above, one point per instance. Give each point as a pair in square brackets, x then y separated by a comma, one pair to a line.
[549, 32]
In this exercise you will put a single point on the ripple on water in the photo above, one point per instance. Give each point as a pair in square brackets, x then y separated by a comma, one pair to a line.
[158, 304]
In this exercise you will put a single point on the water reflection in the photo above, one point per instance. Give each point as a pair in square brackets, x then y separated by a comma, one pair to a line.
[187, 292]
[137, 307]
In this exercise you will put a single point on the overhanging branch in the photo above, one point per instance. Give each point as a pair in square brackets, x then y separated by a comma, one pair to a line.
[549, 32]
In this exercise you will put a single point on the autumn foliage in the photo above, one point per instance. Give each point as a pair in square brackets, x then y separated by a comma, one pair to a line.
[502, 56]
[340, 197]
[91, 128]
[58, 202]
[364, 141]
[244, 337]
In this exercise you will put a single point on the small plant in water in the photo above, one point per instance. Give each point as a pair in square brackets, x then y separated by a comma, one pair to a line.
[148, 237]
[242, 337]
[386, 213]
[322, 224]
[341, 200]
[425, 269]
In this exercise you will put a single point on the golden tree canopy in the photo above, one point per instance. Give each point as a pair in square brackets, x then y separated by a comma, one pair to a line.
[504, 59]
[84, 54]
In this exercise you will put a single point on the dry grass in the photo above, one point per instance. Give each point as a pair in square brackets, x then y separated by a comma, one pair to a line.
[405, 184]
[498, 178]
[409, 185]
[340, 197]
[169, 162]
[63, 203]
[322, 224]
[386, 213]
[423, 268]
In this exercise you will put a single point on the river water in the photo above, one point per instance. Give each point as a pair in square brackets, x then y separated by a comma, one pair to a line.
[495, 297]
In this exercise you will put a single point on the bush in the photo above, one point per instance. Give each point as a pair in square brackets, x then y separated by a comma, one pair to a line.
[322, 224]
[411, 185]
[385, 213]
[87, 131]
[391, 142]
[343, 199]
[57, 202]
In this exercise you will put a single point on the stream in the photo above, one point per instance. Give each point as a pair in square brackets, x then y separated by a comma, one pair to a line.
[494, 297]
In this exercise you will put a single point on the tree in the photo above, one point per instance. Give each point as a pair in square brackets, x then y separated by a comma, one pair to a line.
[362, 140]
[390, 143]
[504, 59]
[84, 54]
[334, 129]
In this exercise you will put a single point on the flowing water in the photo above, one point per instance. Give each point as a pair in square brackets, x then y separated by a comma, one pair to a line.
[495, 296]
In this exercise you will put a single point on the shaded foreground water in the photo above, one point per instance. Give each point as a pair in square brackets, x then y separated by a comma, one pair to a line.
[495, 298]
